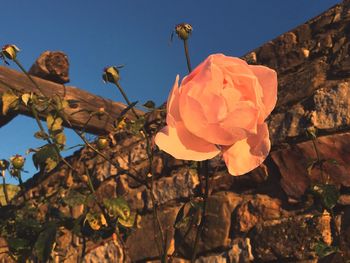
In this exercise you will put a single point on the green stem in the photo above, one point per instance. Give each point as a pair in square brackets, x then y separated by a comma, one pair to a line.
[203, 218]
[325, 180]
[187, 56]
[206, 174]
[5, 189]
[28, 76]
[150, 158]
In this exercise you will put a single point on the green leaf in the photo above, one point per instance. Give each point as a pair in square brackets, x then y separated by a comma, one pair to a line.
[136, 125]
[74, 198]
[9, 101]
[54, 123]
[18, 244]
[95, 220]
[328, 193]
[322, 250]
[117, 208]
[44, 244]
[128, 222]
[46, 158]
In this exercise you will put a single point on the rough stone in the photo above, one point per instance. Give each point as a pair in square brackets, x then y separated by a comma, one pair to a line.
[294, 238]
[109, 252]
[293, 163]
[216, 233]
[180, 185]
[258, 209]
[148, 238]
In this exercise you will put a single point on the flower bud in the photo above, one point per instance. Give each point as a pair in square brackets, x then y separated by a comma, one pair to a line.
[10, 51]
[183, 30]
[111, 74]
[102, 143]
[17, 161]
[4, 164]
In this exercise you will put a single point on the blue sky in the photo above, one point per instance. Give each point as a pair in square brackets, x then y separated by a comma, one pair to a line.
[95, 34]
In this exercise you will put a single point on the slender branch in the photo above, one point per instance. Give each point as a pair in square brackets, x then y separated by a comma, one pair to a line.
[319, 161]
[203, 218]
[150, 158]
[29, 77]
[187, 56]
[5, 189]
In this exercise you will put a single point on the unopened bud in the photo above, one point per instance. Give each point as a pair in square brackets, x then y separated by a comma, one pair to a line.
[10, 51]
[102, 143]
[111, 74]
[183, 30]
[4, 164]
[17, 161]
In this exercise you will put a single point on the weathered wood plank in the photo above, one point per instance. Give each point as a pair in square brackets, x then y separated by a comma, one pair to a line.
[86, 101]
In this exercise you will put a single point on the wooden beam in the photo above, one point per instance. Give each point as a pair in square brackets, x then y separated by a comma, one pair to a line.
[86, 101]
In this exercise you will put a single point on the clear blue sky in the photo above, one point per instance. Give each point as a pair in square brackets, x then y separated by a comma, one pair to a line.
[95, 34]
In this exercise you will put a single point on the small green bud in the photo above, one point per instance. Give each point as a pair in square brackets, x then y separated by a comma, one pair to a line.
[183, 30]
[102, 143]
[17, 161]
[111, 74]
[10, 51]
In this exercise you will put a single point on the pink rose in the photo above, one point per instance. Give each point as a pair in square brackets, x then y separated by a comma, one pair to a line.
[221, 106]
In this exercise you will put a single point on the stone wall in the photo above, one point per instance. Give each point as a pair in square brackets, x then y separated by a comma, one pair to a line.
[267, 215]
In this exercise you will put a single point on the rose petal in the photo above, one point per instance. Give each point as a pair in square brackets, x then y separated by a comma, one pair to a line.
[179, 143]
[247, 154]
[268, 81]
[244, 115]
[196, 122]
[173, 114]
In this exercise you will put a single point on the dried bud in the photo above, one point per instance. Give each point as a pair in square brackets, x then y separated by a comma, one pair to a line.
[183, 30]
[17, 161]
[10, 51]
[111, 74]
[102, 143]
[312, 131]
[4, 164]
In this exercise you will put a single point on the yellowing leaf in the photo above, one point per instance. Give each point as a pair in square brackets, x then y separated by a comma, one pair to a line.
[60, 139]
[50, 164]
[128, 222]
[25, 98]
[95, 220]
[9, 101]
[53, 123]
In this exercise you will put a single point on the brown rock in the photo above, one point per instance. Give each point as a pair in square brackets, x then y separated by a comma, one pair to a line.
[147, 237]
[180, 185]
[216, 233]
[109, 252]
[292, 238]
[258, 209]
[294, 161]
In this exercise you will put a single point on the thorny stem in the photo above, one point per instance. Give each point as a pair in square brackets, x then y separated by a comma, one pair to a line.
[150, 158]
[187, 56]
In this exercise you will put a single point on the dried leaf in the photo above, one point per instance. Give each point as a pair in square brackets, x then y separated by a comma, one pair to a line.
[9, 101]
[54, 123]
